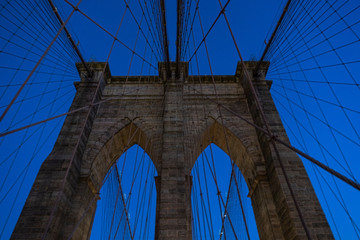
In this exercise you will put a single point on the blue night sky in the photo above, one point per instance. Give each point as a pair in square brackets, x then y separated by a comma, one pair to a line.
[316, 95]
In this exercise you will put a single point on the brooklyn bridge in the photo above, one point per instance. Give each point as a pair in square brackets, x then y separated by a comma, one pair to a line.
[154, 119]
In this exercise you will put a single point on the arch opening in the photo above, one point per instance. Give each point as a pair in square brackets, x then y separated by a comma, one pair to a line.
[102, 156]
[241, 146]
[220, 206]
[126, 209]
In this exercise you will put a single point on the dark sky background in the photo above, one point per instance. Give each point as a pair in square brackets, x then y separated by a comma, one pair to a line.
[50, 91]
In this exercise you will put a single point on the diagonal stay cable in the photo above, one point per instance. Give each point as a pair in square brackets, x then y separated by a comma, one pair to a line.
[81, 132]
[312, 136]
[232, 163]
[58, 116]
[297, 41]
[110, 34]
[333, 93]
[139, 26]
[126, 147]
[123, 201]
[316, 98]
[273, 34]
[187, 40]
[268, 130]
[148, 22]
[70, 38]
[322, 149]
[207, 33]
[275, 138]
[38, 63]
[312, 81]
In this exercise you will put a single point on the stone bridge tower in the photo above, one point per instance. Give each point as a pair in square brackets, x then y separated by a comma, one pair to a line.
[167, 117]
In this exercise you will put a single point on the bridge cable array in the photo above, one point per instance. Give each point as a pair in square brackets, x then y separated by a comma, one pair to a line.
[309, 49]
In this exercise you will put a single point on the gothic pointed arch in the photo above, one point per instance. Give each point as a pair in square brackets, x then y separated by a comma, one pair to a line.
[244, 152]
[217, 182]
[126, 208]
[168, 127]
[114, 147]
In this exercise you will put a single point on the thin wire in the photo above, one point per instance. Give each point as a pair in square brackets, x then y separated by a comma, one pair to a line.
[107, 32]
[38, 63]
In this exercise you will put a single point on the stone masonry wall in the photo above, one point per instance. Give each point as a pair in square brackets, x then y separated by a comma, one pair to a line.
[173, 119]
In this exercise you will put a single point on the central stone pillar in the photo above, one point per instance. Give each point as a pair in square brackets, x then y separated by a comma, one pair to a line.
[173, 220]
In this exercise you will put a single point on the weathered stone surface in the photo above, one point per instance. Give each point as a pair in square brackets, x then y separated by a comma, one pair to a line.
[173, 119]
